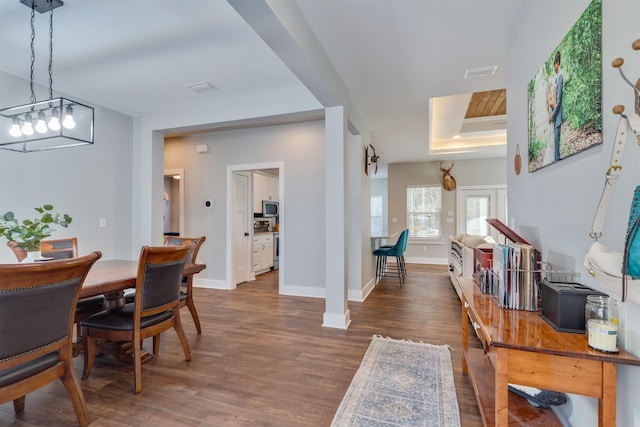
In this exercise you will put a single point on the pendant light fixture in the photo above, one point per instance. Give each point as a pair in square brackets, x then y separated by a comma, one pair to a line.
[45, 125]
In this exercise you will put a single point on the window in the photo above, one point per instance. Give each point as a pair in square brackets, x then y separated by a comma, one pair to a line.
[423, 211]
[376, 215]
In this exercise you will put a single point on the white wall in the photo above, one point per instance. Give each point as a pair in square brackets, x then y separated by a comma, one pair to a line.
[301, 148]
[379, 188]
[466, 172]
[554, 207]
[88, 182]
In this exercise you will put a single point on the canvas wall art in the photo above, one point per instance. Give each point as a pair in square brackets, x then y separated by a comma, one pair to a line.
[565, 95]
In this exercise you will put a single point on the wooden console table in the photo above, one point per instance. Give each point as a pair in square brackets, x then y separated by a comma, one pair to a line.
[521, 348]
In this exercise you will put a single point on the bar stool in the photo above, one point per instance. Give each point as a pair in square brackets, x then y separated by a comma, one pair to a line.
[396, 251]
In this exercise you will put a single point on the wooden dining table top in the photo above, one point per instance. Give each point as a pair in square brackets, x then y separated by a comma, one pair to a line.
[116, 275]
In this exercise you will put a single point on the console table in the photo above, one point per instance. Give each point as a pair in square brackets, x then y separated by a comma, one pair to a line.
[521, 348]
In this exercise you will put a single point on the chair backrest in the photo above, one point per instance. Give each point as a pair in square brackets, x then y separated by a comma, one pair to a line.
[60, 248]
[54, 248]
[401, 244]
[159, 277]
[37, 306]
[194, 244]
[405, 238]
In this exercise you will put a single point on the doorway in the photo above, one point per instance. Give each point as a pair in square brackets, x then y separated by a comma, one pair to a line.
[237, 224]
[173, 202]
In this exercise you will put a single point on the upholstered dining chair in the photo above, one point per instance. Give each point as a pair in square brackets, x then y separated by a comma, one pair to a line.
[396, 251]
[64, 249]
[156, 308]
[37, 302]
[186, 288]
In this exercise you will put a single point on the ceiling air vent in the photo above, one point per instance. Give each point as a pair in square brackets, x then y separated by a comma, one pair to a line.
[472, 73]
[201, 87]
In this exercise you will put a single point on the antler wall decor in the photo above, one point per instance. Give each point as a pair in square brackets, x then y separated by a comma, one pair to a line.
[372, 158]
[448, 181]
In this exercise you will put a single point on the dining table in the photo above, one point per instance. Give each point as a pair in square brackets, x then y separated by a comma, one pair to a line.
[111, 278]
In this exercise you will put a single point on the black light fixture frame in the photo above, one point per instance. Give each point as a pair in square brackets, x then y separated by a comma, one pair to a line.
[42, 6]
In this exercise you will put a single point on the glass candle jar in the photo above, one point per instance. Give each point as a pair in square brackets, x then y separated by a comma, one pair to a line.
[601, 321]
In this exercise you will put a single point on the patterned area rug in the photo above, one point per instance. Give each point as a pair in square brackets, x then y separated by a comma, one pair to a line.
[401, 383]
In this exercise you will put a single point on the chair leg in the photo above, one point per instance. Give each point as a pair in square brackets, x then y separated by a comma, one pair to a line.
[399, 268]
[18, 404]
[89, 351]
[156, 344]
[194, 313]
[182, 337]
[72, 385]
[137, 365]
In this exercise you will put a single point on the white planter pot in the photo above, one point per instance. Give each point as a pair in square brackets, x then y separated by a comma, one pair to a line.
[32, 256]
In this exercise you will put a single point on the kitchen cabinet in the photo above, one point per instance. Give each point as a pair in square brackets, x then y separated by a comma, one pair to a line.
[265, 187]
[262, 257]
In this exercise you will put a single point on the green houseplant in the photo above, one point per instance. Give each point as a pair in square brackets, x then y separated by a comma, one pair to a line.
[31, 232]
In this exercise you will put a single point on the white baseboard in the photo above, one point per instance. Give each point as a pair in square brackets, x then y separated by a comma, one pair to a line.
[212, 283]
[335, 320]
[302, 291]
[421, 260]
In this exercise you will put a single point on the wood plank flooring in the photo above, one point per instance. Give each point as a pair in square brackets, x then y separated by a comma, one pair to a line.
[262, 359]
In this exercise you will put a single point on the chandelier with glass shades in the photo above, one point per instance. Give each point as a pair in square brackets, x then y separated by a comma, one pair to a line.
[45, 125]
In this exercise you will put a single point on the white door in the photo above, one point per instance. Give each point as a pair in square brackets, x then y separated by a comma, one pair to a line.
[477, 203]
[241, 235]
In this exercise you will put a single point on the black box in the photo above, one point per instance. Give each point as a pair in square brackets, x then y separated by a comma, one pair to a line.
[563, 304]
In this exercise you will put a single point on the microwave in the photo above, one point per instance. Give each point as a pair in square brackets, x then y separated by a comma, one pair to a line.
[269, 208]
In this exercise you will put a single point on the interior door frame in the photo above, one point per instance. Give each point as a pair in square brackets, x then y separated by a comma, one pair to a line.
[171, 173]
[230, 269]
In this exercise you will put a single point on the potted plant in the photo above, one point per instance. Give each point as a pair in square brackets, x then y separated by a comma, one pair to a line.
[28, 234]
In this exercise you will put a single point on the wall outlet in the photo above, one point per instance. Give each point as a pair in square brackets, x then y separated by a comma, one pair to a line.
[102, 223]
[424, 249]
[394, 220]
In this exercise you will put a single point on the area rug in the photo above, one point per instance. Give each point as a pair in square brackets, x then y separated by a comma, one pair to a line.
[401, 383]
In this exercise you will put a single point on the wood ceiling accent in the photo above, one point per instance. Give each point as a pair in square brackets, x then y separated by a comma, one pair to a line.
[489, 103]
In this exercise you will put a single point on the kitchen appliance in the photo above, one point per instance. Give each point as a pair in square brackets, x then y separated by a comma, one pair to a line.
[261, 226]
[269, 208]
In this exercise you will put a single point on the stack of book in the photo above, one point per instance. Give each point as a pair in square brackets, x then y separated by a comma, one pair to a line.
[515, 276]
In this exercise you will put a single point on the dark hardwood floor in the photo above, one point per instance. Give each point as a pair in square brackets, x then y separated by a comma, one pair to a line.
[262, 359]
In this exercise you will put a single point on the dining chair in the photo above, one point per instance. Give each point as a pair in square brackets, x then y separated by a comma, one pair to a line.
[186, 286]
[156, 308]
[37, 302]
[65, 249]
[54, 248]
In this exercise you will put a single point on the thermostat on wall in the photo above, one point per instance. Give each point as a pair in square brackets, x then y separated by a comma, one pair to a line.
[208, 204]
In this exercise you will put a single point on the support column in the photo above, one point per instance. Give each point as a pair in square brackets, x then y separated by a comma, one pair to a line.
[336, 313]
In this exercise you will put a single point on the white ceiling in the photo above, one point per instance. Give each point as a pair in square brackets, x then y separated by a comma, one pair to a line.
[394, 56]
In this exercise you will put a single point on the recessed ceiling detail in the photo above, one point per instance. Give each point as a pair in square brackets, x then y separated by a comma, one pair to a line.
[469, 123]
[488, 103]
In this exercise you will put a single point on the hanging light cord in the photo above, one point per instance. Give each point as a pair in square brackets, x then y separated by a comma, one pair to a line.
[33, 53]
[50, 49]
